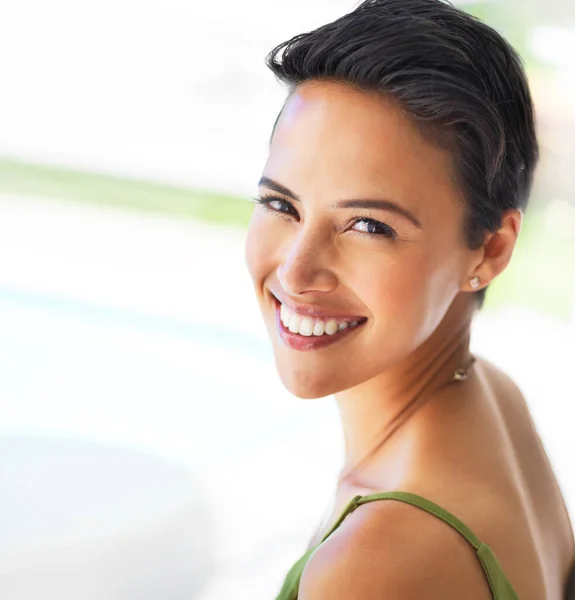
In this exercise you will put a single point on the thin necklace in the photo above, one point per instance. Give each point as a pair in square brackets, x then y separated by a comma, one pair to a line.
[460, 374]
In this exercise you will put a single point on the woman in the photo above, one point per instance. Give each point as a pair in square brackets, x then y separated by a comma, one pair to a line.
[398, 174]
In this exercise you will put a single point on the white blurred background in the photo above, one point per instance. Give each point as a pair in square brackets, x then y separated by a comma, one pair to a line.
[148, 448]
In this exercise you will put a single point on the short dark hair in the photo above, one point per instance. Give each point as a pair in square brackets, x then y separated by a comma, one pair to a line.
[459, 79]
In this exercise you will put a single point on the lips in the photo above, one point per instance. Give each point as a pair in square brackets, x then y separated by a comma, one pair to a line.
[296, 341]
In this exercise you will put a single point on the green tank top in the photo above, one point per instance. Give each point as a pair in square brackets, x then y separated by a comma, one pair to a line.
[501, 589]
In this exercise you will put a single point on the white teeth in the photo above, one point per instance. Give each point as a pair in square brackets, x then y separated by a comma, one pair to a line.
[294, 323]
[331, 327]
[307, 326]
[319, 328]
[284, 315]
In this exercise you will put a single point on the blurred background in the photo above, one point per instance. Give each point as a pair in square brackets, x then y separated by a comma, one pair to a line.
[149, 449]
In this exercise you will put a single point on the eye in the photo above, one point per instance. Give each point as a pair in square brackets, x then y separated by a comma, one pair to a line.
[276, 204]
[369, 226]
[375, 228]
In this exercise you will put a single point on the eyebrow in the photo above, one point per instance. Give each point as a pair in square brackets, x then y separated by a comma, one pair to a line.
[381, 204]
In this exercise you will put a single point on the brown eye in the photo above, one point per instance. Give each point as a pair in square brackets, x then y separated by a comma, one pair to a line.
[276, 204]
[376, 228]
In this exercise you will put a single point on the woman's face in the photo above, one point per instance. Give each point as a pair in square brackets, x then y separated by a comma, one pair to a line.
[393, 259]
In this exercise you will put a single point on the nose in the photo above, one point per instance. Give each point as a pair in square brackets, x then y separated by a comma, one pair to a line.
[306, 266]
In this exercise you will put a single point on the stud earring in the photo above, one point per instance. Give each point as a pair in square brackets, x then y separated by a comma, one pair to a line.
[475, 282]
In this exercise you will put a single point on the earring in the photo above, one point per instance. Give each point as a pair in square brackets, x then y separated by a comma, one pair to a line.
[475, 282]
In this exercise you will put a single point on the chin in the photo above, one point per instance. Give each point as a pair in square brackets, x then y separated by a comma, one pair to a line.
[307, 385]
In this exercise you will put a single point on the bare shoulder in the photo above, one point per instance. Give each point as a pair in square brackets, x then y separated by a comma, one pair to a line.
[506, 394]
[497, 378]
[512, 405]
[392, 549]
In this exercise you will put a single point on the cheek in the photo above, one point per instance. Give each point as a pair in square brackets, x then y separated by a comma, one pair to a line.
[391, 287]
[407, 295]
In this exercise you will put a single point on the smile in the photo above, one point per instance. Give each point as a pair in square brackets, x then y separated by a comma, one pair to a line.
[307, 326]
[301, 332]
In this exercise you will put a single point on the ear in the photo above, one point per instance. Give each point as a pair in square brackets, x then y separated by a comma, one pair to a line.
[496, 251]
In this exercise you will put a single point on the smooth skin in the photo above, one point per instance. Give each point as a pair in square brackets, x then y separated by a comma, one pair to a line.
[409, 276]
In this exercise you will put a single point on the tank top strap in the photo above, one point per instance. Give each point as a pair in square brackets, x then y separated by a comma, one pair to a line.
[498, 582]
[415, 500]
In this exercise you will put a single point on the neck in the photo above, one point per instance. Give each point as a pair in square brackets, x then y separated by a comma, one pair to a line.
[373, 410]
